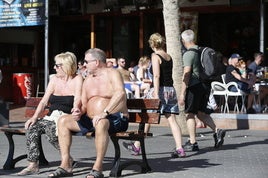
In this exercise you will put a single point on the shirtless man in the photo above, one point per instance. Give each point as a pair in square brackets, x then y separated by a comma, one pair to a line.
[128, 77]
[104, 102]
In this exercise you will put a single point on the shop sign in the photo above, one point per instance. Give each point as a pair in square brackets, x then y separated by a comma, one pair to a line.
[17, 13]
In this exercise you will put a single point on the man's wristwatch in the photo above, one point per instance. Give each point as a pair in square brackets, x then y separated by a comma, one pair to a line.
[106, 111]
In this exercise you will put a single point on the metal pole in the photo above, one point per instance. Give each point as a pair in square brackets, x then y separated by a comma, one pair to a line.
[92, 33]
[262, 26]
[46, 45]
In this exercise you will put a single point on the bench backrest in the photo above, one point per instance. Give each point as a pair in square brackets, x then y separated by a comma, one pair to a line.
[31, 105]
[144, 110]
[140, 110]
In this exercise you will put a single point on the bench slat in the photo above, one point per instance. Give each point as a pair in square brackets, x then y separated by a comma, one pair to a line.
[33, 101]
[13, 130]
[29, 112]
[148, 104]
[31, 105]
[151, 118]
[133, 134]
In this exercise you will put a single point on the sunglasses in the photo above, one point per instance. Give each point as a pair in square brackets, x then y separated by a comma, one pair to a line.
[57, 65]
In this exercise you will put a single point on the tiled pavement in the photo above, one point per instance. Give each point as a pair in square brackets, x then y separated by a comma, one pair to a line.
[244, 155]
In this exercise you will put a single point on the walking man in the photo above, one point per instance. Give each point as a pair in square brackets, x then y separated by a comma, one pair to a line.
[194, 95]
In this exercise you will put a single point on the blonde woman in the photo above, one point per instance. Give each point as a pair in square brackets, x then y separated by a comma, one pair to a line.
[143, 76]
[163, 89]
[63, 94]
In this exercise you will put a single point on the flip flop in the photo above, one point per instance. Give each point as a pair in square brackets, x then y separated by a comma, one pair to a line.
[95, 174]
[60, 172]
[74, 164]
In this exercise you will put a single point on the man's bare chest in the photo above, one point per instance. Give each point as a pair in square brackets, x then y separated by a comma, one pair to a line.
[98, 85]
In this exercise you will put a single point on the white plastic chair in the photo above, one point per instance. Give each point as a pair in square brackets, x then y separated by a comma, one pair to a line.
[223, 78]
[236, 94]
[218, 88]
[256, 98]
[129, 93]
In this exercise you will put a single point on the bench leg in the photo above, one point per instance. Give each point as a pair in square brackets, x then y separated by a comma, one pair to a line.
[117, 166]
[116, 171]
[145, 166]
[42, 160]
[10, 162]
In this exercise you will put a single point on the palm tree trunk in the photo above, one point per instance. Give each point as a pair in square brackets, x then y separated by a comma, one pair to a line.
[172, 33]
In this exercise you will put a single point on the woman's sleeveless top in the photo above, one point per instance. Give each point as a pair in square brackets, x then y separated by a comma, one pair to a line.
[61, 103]
[166, 72]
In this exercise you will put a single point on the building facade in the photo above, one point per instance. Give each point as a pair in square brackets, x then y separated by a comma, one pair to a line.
[122, 28]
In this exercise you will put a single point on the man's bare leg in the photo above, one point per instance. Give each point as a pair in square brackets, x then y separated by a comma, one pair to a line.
[190, 121]
[191, 144]
[65, 126]
[205, 118]
[101, 142]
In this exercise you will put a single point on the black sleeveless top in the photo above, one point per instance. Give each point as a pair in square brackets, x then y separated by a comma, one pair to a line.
[61, 103]
[165, 72]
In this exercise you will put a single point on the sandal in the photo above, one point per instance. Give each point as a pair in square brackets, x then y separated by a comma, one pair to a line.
[28, 171]
[60, 172]
[73, 163]
[95, 174]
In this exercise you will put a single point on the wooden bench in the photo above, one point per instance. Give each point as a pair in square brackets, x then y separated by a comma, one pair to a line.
[17, 128]
[141, 111]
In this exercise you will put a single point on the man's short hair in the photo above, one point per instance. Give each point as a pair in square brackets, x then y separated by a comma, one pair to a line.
[97, 54]
[258, 54]
[188, 35]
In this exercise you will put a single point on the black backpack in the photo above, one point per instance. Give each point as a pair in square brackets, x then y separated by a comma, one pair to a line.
[208, 63]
